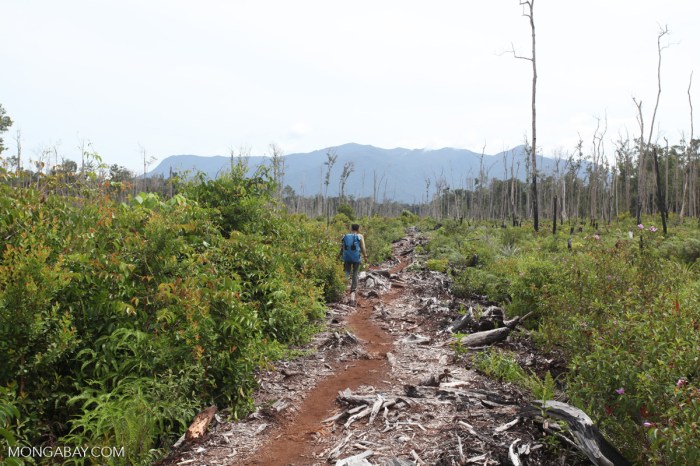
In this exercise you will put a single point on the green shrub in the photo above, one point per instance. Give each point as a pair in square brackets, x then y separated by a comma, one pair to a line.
[437, 265]
[8, 418]
[347, 210]
[503, 366]
[474, 282]
[100, 301]
[623, 315]
[683, 249]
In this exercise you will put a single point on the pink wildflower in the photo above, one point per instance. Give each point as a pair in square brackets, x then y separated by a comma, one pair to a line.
[596, 237]
[620, 391]
[647, 424]
[652, 229]
[640, 226]
[681, 382]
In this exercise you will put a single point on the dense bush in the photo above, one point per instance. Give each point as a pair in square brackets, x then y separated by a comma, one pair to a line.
[476, 282]
[628, 319]
[118, 322]
[625, 311]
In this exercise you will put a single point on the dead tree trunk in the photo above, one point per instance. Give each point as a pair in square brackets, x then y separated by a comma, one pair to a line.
[659, 192]
[528, 12]
[588, 438]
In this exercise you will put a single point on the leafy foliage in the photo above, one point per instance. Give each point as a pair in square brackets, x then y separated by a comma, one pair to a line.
[118, 322]
[625, 312]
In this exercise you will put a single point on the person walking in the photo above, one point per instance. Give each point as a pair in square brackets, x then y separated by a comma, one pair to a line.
[352, 248]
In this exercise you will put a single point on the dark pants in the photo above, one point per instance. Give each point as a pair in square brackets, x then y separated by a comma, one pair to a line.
[354, 268]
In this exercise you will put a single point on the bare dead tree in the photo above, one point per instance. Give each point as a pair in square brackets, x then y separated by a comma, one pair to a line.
[331, 157]
[376, 185]
[348, 168]
[513, 208]
[659, 197]
[689, 175]
[528, 12]
[427, 192]
[18, 141]
[641, 165]
[277, 160]
[597, 157]
[693, 162]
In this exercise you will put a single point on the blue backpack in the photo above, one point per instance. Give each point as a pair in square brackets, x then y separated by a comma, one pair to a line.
[351, 248]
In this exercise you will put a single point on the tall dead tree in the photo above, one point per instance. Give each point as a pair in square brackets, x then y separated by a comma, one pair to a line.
[689, 175]
[528, 12]
[348, 168]
[645, 145]
[277, 169]
[331, 156]
[597, 156]
[659, 196]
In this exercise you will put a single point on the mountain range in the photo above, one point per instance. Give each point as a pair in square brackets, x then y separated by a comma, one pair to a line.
[403, 175]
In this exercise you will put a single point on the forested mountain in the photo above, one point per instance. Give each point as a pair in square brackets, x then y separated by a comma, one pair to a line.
[402, 175]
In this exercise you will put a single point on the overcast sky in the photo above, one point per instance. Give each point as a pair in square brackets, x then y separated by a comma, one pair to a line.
[183, 77]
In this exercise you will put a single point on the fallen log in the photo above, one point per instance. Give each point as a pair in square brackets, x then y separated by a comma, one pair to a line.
[589, 440]
[357, 416]
[516, 320]
[200, 424]
[487, 337]
[375, 409]
[350, 398]
[462, 322]
[492, 318]
[335, 452]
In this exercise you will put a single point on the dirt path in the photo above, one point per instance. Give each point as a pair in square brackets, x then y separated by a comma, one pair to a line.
[293, 442]
[391, 347]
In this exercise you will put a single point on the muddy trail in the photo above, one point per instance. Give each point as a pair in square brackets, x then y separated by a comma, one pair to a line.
[383, 385]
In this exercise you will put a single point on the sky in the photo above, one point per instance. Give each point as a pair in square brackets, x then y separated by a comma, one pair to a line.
[134, 80]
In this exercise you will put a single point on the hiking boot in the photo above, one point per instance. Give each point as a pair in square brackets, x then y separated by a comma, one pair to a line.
[352, 299]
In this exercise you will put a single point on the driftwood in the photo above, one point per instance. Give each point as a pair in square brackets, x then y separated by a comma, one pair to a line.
[200, 424]
[588, 438]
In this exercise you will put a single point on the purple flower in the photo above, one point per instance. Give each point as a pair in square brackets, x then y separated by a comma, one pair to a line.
[652, 229]
[596, 237]
[620, 391]
[681, 382]
[646, 424]
[640, 226]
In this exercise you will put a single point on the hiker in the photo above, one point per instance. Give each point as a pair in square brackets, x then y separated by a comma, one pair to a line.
[352, 245]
